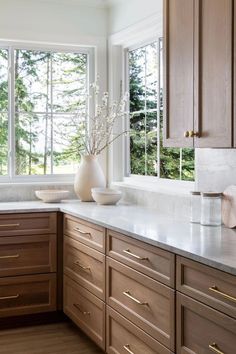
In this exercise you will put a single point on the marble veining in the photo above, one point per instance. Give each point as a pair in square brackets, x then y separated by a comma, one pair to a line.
[213, 246]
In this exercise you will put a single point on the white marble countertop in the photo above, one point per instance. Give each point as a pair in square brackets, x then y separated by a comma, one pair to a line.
[213, 246]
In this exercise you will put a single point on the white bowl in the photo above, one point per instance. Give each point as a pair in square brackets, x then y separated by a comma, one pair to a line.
[51, 195]
[106, 196]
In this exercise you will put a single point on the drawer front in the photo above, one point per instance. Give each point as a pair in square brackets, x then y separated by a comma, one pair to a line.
[208, 285]
[85, 265]
[21, 255]
[147, 259]
[86, 310]
[27, 224]
[27, 294]
[201, 329]
[89, 234]
[125, 337]
[142, 300]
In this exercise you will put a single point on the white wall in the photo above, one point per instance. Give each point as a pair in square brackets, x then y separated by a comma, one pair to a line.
[128, 12]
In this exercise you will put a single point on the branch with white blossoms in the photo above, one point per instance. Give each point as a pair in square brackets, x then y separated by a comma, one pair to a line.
[100, 133]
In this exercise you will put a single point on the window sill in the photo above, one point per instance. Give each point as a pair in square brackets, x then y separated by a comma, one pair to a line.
[152, 184]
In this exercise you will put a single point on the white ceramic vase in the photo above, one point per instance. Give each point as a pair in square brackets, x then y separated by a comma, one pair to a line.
[89, 175]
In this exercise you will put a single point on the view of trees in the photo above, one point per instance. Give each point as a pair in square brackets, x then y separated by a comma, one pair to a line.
[147, 154]
[49, 102]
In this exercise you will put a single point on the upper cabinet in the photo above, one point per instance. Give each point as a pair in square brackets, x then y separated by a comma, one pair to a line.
[198, 57]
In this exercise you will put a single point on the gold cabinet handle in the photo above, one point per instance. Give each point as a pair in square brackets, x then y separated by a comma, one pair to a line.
[9, 297]
[84, 233]
[127, 348]
[135, 255]
[214, 347]
[10, 256]
[217, 291]
[127, 294]
[85, 313]
[81, 266]
[9, 225]
[190, 134]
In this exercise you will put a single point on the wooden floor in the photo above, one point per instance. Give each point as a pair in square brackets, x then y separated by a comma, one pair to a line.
[56, 338]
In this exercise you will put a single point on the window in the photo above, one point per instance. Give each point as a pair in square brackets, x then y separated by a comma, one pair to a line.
[148, 157]
[43, 105]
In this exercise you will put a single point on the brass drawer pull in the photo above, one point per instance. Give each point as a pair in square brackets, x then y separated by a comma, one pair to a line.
[81, 266]
[217, 291]
[9, 297]
[9, 225]
[84, 233]
[85, 313]
[127, 294]
[214, 348]
[11, 256]
[135, 255]
[127, 348]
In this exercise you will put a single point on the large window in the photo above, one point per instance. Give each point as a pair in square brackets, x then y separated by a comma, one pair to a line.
[43, 105]
[148, 157]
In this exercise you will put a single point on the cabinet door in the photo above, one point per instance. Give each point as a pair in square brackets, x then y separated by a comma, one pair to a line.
[178, 71]
[213, 73]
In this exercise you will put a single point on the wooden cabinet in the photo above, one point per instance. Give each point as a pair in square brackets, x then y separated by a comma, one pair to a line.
[210, 286]
[201, 329]
[147, 259]
[28, 263]
[144, 301]
[124, 337]
[86, 310]
[198, 58]
[84, 277]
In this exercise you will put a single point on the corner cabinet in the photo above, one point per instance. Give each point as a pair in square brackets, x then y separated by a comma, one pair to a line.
[198, 78]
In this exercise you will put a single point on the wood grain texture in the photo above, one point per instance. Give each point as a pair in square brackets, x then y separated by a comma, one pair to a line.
[195, 279]
[87, 233]
[58, 338]
[85, 265]
[213, 73]
[158, 264]
[28, 224]
[199, 326]
[178, 71]
[156, 314]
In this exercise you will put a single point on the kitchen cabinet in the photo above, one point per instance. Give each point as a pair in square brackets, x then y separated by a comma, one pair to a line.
[198, 57]
[28, 263]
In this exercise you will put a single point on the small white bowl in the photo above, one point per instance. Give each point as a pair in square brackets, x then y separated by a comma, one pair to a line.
[51, 195]
[106, 196]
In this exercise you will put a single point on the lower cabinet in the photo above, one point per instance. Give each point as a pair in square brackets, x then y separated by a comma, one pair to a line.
[23, 295]
[201, 329]
[86, 310]
[123, 336]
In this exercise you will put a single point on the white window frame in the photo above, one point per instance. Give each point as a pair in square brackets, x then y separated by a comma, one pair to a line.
[136, 36]
[40, 46]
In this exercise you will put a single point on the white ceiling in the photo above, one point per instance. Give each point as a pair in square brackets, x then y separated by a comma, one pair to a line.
[93, 3]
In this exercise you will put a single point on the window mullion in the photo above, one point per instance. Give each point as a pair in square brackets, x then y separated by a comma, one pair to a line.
[51, 99]
[11, 105]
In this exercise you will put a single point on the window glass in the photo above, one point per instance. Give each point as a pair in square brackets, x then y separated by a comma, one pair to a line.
[4, 112]
[148, 156]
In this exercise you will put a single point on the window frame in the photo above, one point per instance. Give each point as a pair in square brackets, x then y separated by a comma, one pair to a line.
[133, 37]
[11, 46]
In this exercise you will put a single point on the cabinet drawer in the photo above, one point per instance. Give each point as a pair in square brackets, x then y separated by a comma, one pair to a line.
[201, 329]
[27, 294]
[125, 337]
[85, 265]
[21, 255]
[211, 286]
[144, 301]
[86, 310]
[150, 260]
[90, 234]
[27, 224]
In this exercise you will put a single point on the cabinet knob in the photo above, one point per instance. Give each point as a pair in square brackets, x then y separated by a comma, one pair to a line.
[190, 134]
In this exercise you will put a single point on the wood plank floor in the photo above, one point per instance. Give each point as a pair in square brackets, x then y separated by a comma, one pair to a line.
[56, 338]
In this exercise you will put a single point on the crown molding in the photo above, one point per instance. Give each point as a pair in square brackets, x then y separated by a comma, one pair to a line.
[89, 3]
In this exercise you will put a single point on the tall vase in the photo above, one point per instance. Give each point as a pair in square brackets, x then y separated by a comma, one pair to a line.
[89, 175]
